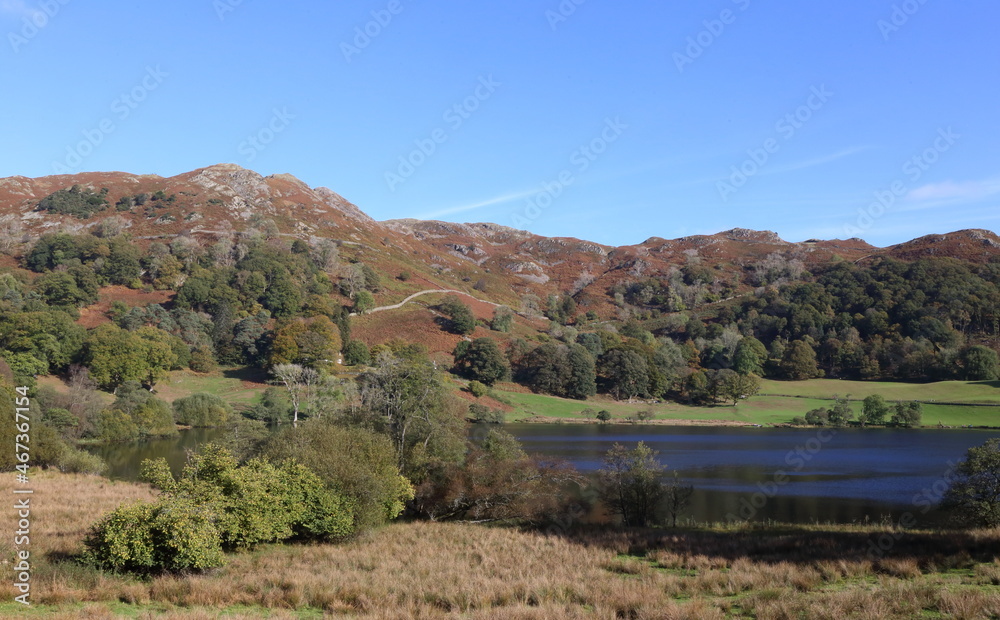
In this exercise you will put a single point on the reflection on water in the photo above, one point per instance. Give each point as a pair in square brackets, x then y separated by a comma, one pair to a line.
[124, 459]
[789, 475]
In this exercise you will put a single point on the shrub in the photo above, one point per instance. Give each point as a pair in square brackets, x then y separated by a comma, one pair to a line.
[354, 462]
[478, 389]
[172, 534]
[76, 461]
[484, 414]
[202, 410]
[356, 354]
[216, 504]
[603, 415]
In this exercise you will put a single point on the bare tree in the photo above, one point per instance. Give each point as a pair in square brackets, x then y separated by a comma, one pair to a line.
[678, 497]
[299, 381]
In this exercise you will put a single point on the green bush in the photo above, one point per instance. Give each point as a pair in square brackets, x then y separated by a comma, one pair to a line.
[172, 534]
[213, 506]
[76, 461]
[478, 389]
[356, 354]
[201, 410]
[257, 502]
[116, 426]
[356, 463]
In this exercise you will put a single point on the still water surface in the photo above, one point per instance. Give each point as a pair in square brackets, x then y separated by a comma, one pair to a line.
[789, 475]
[784, 474]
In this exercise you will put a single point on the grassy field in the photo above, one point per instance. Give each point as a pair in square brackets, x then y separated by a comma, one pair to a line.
[440, 570]
[780, 401]
[238, 386]
[983, 392]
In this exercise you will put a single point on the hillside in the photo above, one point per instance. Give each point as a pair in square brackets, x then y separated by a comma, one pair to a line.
[501, 262]
[227, 267]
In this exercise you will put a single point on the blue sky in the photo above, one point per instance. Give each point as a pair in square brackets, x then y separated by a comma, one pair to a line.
[605, 121]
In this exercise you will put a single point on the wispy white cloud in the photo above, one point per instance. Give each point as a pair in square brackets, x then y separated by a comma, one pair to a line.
[818, 161]
[479, 205]
[949, 191]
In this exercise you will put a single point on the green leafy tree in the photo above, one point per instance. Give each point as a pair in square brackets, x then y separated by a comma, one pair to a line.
[625, 373]
[736, 387]
[799, 361]
[364, 301]
[460, 316]
[403, 396]
[841, 414]
[874, 409]
[750, 357]
[354, 462]
[818, 417]
[980, 363]
[202, 410]
[974, 494]
[483, 361]
[630, 483]
[582, 380]
[145, 537]
[356, 354]
[907, 415]
[113, 356]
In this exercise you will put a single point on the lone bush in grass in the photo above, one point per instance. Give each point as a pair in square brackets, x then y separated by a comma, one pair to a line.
[145, 537]
[217, 505]
[202, 410]
[478, 389]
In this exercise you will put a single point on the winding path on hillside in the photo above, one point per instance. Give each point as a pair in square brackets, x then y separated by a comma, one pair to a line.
[425, 292]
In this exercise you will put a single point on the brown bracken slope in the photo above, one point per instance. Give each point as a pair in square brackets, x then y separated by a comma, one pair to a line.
[491, 262]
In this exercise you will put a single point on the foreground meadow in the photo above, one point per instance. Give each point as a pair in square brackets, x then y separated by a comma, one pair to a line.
[436, 570]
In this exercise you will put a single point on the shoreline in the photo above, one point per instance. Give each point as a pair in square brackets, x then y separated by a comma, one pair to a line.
[721, 424]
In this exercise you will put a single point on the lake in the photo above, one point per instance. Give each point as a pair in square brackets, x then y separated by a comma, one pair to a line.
[782, 474]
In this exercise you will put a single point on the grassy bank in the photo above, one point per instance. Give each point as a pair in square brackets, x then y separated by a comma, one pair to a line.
[434, 570]
[948, 403]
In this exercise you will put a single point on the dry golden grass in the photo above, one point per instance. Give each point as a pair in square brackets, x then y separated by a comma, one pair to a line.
[433, 570]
